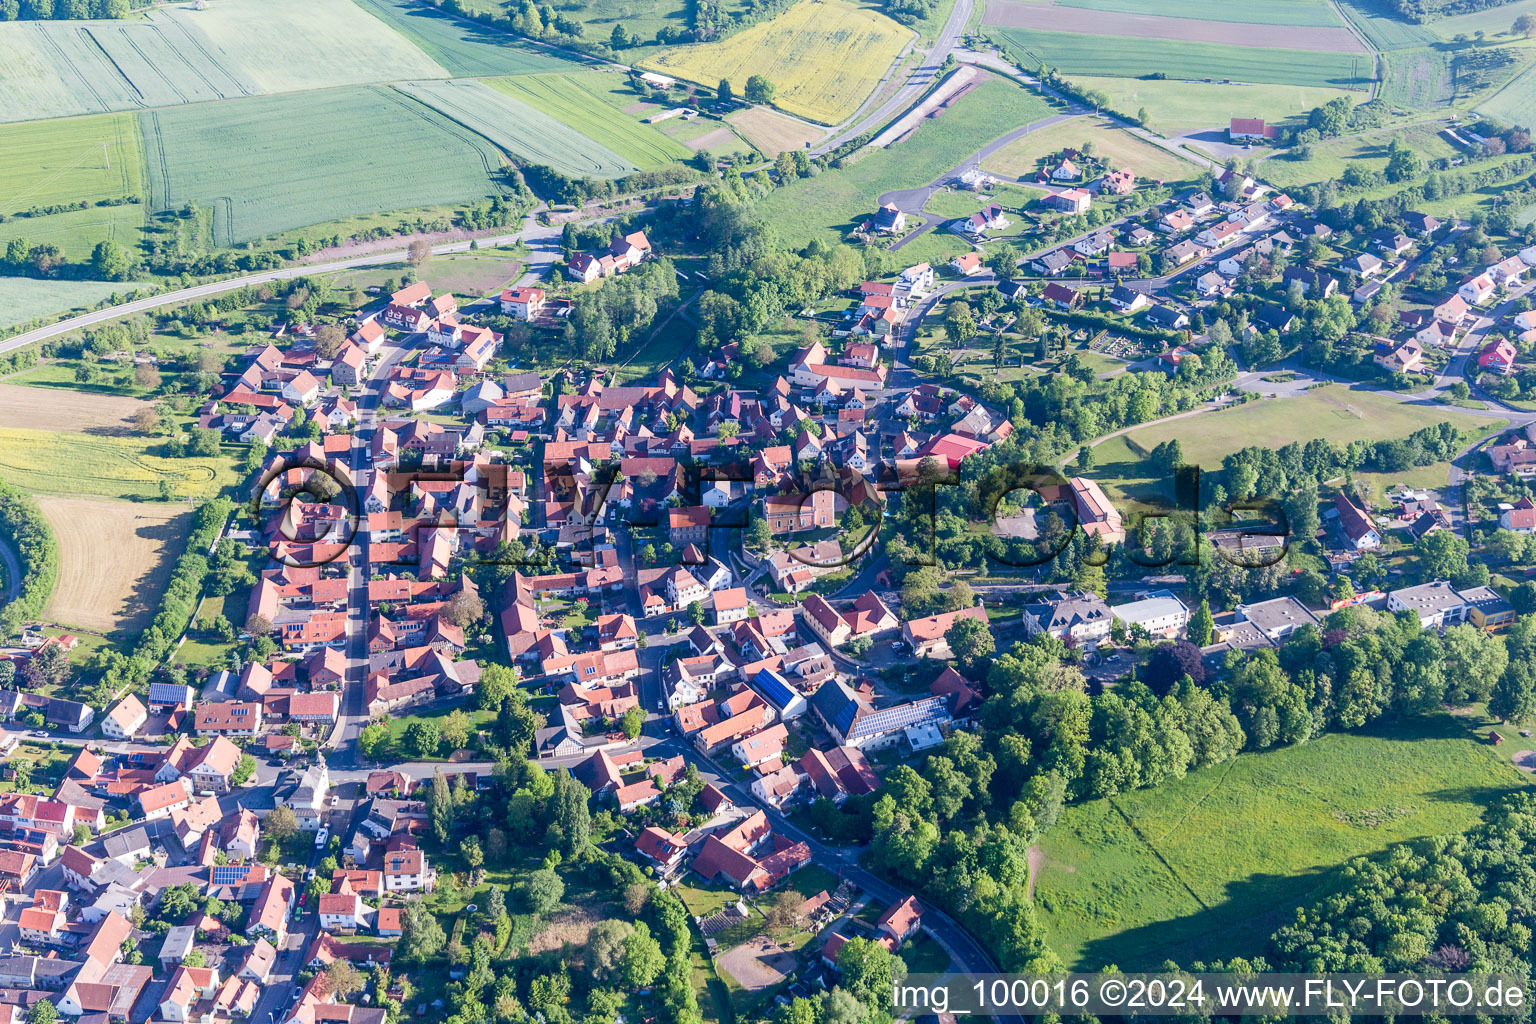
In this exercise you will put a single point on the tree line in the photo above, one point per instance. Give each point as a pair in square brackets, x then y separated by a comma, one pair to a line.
[24, 528]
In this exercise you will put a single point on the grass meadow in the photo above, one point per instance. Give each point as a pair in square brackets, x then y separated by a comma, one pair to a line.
[822, 56]
[1074, 53]
[107, 467]
[519, 129]
[828, 205]
[90, 159]
[23, 299]
[464, 49]
[1210, 865]
[237, 159]
[1516, 102]
[772, 132]
[1021, 157]
[1309, 13]
[1178, 107]
[1330, 158]
[584, 102]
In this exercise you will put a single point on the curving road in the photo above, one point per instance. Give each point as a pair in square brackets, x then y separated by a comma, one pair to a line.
[12, 572]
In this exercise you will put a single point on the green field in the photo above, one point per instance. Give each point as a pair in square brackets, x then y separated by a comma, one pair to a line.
[464, 48]
[1382, 28]
[238, 159]
[1178, 107]
[1333, 412]
[1329, 158]
[1253, 12]
[24, 298]
[584, 102]
[1419, 78]
[1494, 21]
[1210, 865]
[1074, 53]
[1515, 102]
[829, 205]
[176, 55]
[89, 159]
[526, 133]
[1021, 157]
[111, 467]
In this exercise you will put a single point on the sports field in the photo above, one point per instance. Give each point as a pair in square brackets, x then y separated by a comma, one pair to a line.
[583, 101]
[829, 205]
[464, 48]
[822, 56]
[1021, 157]
[1516, 102]
[25, 298]
[364, 150]
[771, 132]
[1178, 107]
[175, 55]
[109, 467]
[1167, 21]
[1256, 12]
[114, 560]
[1210, 865]
[1076, 53]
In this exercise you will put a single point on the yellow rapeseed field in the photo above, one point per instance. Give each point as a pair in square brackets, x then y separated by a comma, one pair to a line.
[822, 56]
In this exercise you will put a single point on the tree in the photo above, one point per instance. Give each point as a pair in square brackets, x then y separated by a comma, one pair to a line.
[422, 737]
[959, 323]
[605, 949]
[456, 729]
[373, 741]
[48, 666]
[42, 1012]
[1202, 625]
[244, 769]
[258, 625]
[571, 823]
[759, 90]
[418, 252]
[783, 915]
[643, 959]
[463, 609]
[1170, 663]
[342, 979]
[280, 824]
[633, 722]
[696, 613]
[422, 937]
[146, 420]
[147, 376]
[440, 807]
[541, 891]
[972, 642]
[328, 340]
[1525, 25]
[723, 91]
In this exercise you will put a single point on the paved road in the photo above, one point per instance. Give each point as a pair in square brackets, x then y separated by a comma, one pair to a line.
[537, 235]
[12, 572]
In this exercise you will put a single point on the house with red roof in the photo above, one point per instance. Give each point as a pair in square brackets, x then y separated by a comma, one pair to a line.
[1246, 128]
[1498, 356]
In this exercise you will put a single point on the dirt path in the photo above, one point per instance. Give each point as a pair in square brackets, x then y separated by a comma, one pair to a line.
[1036, 865]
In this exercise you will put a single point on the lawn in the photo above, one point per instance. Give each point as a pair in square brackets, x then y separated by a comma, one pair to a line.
[1329, 159]
[237, 159]
[1334, 412]
[472, 274]
[23, 299]
[1021, 157]
[829, 205]
[522, 131]
[398, 724]
[1211, 864]
[108, 467]
[823, 57]
[586, 102]
[1178, 107]
[466, 49]
[1074, 53]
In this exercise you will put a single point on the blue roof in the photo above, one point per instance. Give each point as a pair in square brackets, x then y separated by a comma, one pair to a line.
[773, 688]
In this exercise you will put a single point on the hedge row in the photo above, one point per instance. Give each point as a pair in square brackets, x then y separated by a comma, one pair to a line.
[29, 535]
[179, 603]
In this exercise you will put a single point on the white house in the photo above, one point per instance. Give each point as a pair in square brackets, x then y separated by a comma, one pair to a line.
[1159, 613]
[1478, 290]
